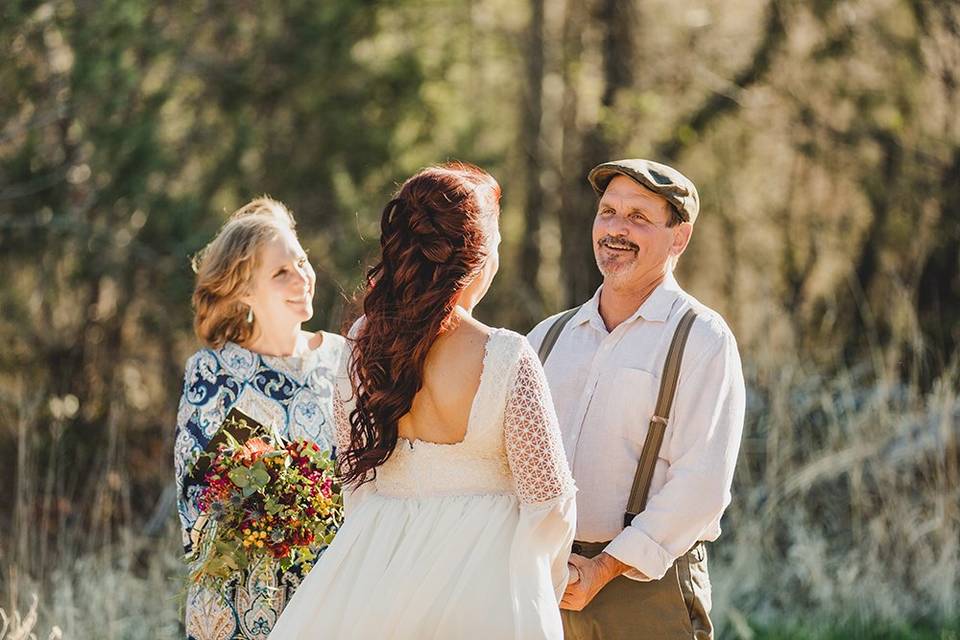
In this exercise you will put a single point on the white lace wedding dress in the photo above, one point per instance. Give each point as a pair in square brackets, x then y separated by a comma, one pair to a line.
[466, 540]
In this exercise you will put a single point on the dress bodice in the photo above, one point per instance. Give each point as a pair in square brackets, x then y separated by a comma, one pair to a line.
[507, 448]
[475, 465]
[463, 540]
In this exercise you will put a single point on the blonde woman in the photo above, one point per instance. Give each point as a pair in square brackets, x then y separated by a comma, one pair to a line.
[254, 290]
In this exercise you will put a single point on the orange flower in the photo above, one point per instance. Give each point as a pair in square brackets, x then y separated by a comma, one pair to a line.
[254, 448]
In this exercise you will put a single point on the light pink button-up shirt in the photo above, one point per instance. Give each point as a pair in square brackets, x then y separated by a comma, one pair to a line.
[605, 384]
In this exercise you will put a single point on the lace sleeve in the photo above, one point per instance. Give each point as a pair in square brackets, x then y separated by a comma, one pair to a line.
[343, 404]
[343, 393]
[341, 419]
[532, 435]
[343, 396]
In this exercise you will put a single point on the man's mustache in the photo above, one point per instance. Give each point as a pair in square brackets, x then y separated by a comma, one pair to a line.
[610, 241]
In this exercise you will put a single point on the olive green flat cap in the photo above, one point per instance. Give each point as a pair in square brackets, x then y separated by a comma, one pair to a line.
[677, 188]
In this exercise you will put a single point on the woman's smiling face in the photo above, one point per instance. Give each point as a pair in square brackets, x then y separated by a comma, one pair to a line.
[282, 284]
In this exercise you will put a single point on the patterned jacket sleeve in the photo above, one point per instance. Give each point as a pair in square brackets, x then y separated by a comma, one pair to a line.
[187, 446]
[208, 394]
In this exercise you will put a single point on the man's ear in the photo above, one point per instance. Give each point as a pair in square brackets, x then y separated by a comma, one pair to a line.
[681, 238]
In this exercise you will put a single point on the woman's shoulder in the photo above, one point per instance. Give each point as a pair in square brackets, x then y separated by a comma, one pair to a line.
[355, 327]
[332, 350]
[324, 341]
[517, 342]
[506, 346]
[202, 360]
[333, 340]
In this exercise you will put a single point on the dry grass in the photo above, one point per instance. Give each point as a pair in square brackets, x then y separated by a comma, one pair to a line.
[17, 627]
[846, 504]
[132, 591]
[845, 517]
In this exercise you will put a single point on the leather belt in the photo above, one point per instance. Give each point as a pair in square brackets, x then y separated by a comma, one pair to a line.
[590, 549]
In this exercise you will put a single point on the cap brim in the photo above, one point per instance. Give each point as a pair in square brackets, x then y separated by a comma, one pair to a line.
[600, 178]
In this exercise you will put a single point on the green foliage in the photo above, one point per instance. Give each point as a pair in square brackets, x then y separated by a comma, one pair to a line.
[250, 479]
[823, 138]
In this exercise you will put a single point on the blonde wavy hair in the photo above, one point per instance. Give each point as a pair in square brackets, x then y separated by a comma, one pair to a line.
[225, 268]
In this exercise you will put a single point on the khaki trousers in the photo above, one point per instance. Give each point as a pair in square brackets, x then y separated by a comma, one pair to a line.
[676, 606]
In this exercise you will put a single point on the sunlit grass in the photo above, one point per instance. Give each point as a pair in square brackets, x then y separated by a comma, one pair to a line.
[16, 627]
[843, 525]
[133, 591]
[845, 516]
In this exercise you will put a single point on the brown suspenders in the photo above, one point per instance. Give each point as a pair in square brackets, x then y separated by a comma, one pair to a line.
[658, 423]
[554, 332]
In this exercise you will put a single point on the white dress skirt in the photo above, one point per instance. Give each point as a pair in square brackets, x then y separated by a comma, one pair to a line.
[468, 540]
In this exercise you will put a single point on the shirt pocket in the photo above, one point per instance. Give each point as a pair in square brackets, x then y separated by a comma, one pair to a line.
[631, 403]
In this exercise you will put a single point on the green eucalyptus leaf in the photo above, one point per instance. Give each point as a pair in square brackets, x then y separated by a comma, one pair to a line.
[240, 476]
[259, 476]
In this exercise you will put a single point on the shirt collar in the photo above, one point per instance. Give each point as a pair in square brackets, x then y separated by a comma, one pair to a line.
[589, 312]
[656, 308]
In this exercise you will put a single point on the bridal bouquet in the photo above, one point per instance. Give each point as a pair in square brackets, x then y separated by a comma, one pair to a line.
[263, 498]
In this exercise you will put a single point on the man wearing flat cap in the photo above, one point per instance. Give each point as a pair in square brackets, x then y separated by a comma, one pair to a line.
[649, 391]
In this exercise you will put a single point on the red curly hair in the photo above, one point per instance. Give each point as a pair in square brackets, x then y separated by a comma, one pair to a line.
[434, 240]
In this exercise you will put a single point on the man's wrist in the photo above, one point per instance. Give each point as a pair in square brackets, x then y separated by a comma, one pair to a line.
[610, 567]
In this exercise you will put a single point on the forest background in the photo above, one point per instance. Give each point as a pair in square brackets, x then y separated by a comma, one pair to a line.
[823, 135]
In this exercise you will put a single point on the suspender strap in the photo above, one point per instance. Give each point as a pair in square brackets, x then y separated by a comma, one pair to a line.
[658, 423]
[554, 332]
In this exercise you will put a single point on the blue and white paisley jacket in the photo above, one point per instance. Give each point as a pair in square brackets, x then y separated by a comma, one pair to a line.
[294, 394]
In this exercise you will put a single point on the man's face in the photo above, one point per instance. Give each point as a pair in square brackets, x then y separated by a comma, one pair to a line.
[631, 240]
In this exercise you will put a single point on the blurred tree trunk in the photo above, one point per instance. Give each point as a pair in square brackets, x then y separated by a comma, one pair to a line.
[880, 190]
[574, 240]
[530, 123]
[798, 261]
[581, 152]
[939, 285]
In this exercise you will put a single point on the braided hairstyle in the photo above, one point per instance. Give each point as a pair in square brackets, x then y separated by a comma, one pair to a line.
[434, 240]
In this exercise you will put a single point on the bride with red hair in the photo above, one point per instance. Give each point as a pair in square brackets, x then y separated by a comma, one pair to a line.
[459, 501]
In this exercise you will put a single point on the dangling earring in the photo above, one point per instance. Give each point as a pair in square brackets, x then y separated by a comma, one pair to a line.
[250, 316]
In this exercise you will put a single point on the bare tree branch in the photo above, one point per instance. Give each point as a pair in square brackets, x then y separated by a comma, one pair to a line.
[721, 103]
